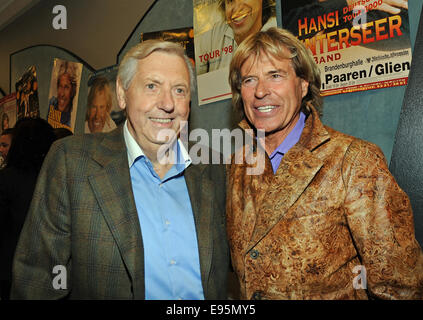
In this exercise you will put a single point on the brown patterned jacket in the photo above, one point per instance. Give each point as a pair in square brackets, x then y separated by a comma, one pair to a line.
[307, 231]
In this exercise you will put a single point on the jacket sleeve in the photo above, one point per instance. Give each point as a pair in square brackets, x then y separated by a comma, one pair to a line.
[42, 264]
[380, 219]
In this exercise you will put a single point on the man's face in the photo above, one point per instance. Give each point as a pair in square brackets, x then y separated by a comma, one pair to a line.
[64, 93]
[272, 94]
[157, 99]
[244, 16]
[97, 112]
[5, 141]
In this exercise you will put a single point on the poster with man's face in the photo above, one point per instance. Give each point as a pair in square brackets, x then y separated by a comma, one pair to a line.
[219, 27]
[63, 94]
[103, 113]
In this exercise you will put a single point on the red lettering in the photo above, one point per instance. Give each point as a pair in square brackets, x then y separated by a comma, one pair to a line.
[367, 31]
[379, 29]
[396, 26]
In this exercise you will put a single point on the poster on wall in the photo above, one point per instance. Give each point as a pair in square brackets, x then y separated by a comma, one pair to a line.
[63, 94]
[219, 27]
[357, 45]
[102, 110]
[8, 110]
[183, 36]
[27, 95]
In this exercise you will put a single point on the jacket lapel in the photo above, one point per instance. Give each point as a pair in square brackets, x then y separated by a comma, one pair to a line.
[111, 185]
[296, 170]
[199, 189]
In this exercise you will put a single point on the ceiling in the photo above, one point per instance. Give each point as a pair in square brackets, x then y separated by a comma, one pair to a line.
[12, 9]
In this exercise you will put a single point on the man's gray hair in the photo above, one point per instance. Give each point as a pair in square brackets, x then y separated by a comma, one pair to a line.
[129, 63]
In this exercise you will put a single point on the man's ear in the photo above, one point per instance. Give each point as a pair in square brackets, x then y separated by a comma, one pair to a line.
[120, 93]
[304, 87]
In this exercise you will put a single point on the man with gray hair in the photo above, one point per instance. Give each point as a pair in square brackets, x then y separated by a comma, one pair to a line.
[110, 219]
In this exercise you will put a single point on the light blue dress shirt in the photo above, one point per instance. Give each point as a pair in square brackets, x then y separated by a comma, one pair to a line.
[291, 139]
[171, 258]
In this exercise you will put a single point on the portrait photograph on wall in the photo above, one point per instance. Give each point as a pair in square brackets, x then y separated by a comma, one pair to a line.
[63, 94]
[8, 109]
[27, 95]
[219, 27]
[357, 47]
[102, 112]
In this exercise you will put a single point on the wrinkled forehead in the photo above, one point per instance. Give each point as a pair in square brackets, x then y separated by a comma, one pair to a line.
[154, 65]
[259, 56]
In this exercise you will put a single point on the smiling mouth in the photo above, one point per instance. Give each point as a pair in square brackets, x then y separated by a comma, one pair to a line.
[265, 109]
[239, 17]
[161, 120]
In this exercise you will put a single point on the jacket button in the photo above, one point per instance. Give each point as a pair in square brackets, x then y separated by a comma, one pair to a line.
[256, 296]
[254, 254]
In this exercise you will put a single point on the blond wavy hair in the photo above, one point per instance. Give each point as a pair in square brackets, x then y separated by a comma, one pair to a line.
[274, 43]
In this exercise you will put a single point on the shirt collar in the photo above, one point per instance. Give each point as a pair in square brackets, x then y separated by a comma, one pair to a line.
[292, 138]
[229, 32]
[134, 150]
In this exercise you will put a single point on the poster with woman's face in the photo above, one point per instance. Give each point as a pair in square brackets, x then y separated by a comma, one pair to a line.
[219, 27]
[63, 94]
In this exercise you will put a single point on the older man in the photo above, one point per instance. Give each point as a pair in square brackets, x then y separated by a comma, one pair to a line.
[118, 221]
[326, 219]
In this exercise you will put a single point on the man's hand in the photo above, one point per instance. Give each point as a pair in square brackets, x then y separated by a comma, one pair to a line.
[393, 6]
[389, 6]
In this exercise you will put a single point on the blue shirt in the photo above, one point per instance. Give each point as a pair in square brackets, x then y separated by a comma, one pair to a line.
[171, 258]
[287, 143]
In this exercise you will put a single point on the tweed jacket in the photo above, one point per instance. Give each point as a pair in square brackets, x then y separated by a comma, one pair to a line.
[83, 217]
[332, 223]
